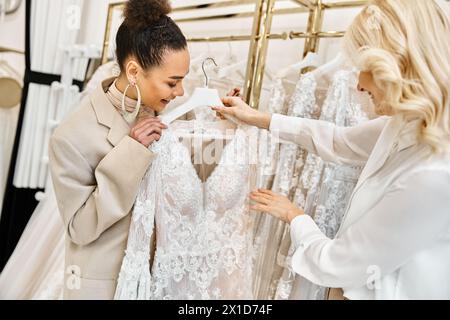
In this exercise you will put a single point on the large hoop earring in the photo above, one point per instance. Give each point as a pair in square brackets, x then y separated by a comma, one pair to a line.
[130, 117]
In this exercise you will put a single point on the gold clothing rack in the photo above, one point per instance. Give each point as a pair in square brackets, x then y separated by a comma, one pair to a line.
[263, 13]
[261, 37]
[262, 21]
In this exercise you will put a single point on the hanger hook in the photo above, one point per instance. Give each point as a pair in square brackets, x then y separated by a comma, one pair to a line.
[204, 70]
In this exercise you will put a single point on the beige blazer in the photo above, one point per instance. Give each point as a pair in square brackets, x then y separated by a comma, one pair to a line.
[96, 170]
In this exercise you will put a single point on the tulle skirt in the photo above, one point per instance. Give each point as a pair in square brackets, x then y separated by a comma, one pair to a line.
[36, 268]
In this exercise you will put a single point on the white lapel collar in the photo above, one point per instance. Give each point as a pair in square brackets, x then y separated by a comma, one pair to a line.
[386, 143]
[398, 135]
[410, 135]
[378, 158]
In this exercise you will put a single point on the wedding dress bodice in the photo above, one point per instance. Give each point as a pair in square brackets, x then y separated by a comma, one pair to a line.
[204, 230]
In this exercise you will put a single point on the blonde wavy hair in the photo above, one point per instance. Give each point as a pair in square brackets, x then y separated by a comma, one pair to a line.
[405, 44]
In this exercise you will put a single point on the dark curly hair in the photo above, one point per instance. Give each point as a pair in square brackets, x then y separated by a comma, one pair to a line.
[147, 33]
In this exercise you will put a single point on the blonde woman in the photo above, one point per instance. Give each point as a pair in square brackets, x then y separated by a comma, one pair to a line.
[394, 242]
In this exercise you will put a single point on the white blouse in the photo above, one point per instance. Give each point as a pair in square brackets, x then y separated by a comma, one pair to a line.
[394, 241]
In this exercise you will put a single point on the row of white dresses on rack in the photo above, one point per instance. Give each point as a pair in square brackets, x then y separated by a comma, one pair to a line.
[322, 189]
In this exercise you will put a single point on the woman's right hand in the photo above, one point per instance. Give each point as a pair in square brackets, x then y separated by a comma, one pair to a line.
[237, 108]
[147, 131]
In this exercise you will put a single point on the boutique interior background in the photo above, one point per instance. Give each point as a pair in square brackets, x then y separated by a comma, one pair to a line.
[92, 15]
[15, 22]
[95, 12]
[49, 38]
[12, 17]
[95, 17]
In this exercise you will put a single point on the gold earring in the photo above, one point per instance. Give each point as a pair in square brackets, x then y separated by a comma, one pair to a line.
[130, 117]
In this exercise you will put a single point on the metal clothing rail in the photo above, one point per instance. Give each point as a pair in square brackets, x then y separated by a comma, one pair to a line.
[262, 13]
[261, 37]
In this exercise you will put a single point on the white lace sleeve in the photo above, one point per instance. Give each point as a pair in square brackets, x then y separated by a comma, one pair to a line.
[134, 278]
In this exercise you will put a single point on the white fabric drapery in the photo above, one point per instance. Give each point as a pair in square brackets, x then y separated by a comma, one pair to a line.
[8, 123]
[52, 31]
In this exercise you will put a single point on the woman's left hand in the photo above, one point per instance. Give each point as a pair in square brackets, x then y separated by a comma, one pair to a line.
[277, 205]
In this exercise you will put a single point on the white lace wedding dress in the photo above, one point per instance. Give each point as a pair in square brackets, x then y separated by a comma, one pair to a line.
[203, 229]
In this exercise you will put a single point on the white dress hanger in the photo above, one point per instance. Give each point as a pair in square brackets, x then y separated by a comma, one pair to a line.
[311, 60]
[199, 59]
[330, 66]
[229, 70]
[232, 69]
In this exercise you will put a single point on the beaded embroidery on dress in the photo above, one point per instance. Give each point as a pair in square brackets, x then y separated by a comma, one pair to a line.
[271, 231]
[204, 230]
[324, 188]
[269, 147]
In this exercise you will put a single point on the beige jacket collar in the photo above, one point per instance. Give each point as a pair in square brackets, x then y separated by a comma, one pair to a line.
[108, 115]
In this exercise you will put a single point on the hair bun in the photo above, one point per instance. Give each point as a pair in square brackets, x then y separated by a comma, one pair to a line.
[140, 14]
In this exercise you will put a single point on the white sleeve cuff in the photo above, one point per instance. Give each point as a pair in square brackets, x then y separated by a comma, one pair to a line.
[277, 123]
[304, 231]
[288, 128]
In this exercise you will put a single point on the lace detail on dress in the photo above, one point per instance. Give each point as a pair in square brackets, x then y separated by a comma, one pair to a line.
[338, 181]
[269, 148]
[204, 231]
[303, 104]
[290, 162]
[324, 188]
